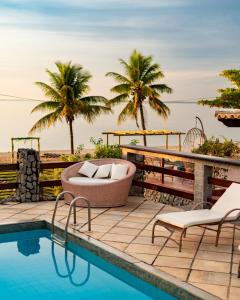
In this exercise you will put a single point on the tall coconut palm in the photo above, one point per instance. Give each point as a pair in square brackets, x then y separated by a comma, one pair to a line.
[67, 99]
[139, 84]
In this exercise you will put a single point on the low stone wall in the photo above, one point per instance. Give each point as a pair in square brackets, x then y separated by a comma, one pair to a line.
[28, 175]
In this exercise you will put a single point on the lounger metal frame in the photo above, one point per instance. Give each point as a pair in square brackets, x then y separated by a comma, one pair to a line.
[183, 231]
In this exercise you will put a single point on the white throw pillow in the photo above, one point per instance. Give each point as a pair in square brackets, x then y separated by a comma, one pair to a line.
[119, 171]
[88, 169]
[103, 171]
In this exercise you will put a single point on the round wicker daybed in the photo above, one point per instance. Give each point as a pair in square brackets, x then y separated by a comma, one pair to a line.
[109, 194]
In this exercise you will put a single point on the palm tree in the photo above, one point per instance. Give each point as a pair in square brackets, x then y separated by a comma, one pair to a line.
[138, 84]
[66, 98]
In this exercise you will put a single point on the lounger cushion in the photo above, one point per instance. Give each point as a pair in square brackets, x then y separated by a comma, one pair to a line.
[88, 169]
[90, 181]
[228, 201]
[103, 171]
[190, 218]
[119, 171]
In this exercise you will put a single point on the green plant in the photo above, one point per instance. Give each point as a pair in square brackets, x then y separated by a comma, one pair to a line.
[134, 142]
[77, 156]
[67, 98]
[52, 174]
[140, 83]
[87, 156]
[214, 146]
[229, 97]
[107, 151]
[95, 141]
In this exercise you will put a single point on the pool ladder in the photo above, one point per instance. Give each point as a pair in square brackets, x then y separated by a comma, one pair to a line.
[63, 240]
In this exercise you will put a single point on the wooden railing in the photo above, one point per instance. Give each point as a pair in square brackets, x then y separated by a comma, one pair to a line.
[204, 187]
[7, 188]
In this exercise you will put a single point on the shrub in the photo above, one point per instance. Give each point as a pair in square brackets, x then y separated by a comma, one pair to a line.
[107, 151]
[214, 146]
[134, 142]
[87, 156]
[73, 157]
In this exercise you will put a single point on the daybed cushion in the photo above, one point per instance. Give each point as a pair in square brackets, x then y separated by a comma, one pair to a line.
[119, 171]
[189, 218]
[90, 181]
[103, 171]
[88, 169]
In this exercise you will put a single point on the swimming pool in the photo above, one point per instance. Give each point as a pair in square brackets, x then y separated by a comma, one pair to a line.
[32, 266]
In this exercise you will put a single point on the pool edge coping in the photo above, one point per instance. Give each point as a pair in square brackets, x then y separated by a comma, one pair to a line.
[166, 282]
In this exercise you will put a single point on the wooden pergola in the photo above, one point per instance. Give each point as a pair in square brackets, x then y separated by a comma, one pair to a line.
[24, 139]
[162, 132]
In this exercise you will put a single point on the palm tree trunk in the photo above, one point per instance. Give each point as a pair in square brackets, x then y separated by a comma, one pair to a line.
[143, 124]
[71, 136]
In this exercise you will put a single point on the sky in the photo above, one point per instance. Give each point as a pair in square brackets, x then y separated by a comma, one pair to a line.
[191, 40]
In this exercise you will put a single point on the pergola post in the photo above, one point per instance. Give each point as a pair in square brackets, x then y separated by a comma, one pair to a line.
[167, 141]
[179, 143]
[12, 146]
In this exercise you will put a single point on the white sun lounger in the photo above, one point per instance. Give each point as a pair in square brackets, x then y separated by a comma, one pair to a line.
[226, 209]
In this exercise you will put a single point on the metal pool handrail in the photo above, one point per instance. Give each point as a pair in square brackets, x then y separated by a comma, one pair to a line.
[73, 204]
[56, 206]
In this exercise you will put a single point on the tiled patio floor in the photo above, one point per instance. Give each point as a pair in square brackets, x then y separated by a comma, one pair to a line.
[213, 269]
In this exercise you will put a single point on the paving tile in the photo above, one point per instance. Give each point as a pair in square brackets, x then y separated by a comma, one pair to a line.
[213, 248]
[163, 232]
[117, 245]
[117, 212]
[176, 272]
[104, 222]
[136, 219]
[169, 261]
[212, 240]
[216, 256]
[234, 269]
[169, 251]
[236, 257]
[35, 211]
[147, 240]
[118, 237]
[235, 281]
[208, 265]
[217, 290]
[234, 293]
[209, 277]
[185, 244]
[6, 215]
[147, 258]
[140, 248]
[131, 225]
[122, 230]
[97, 228]
[24, 216]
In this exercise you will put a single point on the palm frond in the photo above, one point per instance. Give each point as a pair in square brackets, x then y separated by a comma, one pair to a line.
[127, 112]
[162, 88]
[91, 112]
[49, 91]
[46, 106]
[121, 88]
[158, 106]
[118, 77]
[118, 99]
[93, 99]
[46, 121]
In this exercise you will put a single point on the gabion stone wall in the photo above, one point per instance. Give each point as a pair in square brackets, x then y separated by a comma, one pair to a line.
[28, 175]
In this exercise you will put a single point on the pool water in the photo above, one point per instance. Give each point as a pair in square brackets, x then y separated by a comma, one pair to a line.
[34, 267]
